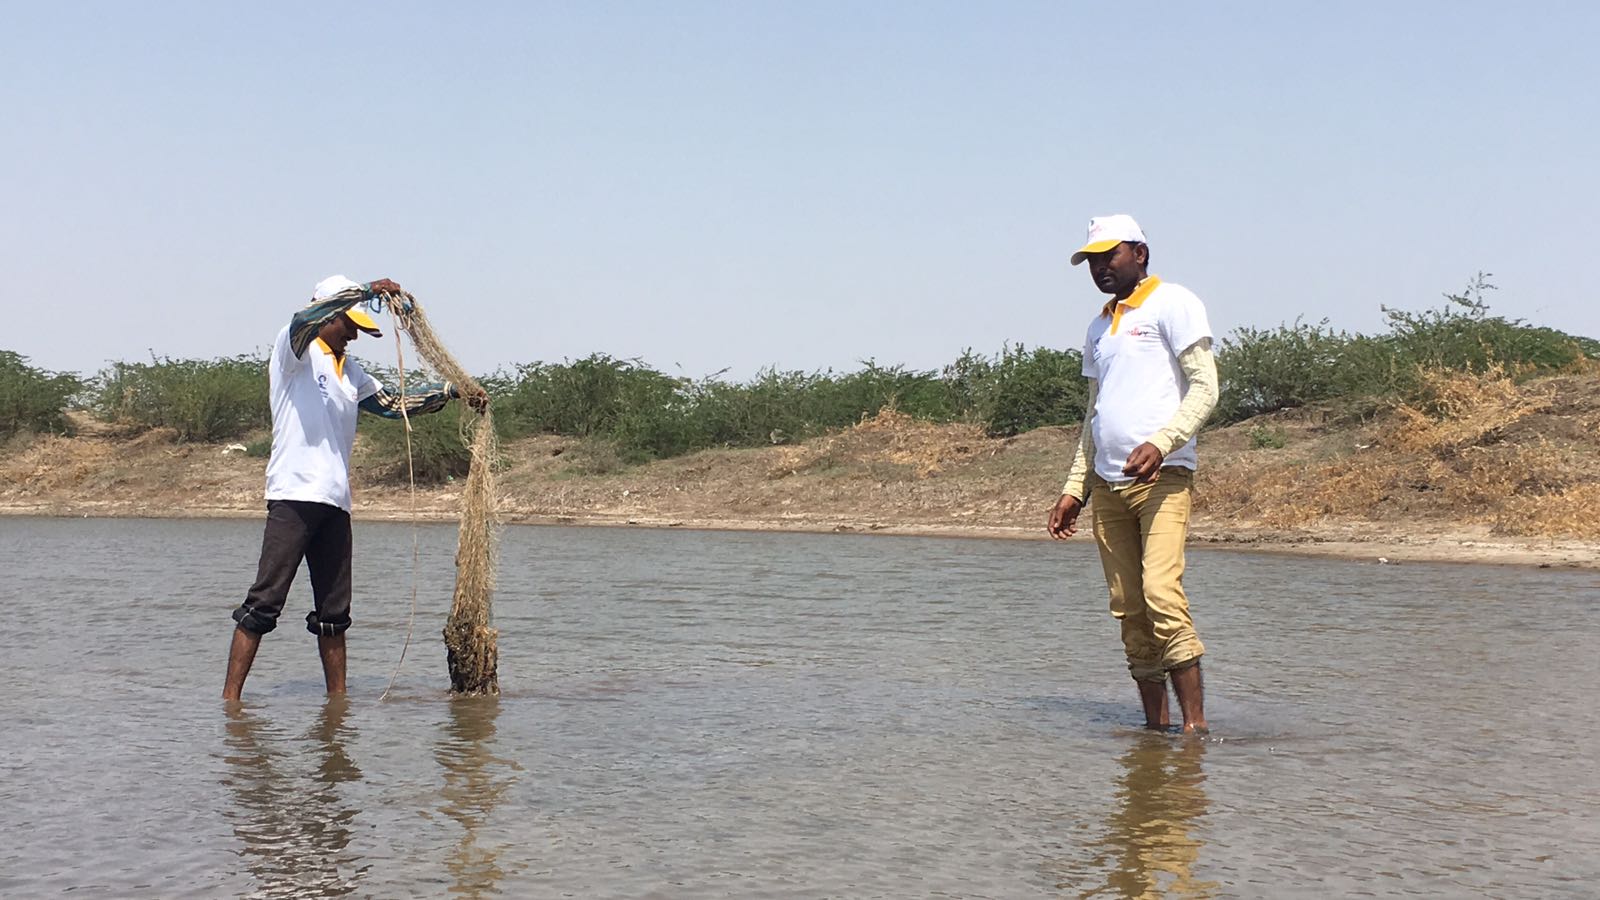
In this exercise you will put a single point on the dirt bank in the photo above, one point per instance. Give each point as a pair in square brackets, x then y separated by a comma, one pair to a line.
[1490, 472]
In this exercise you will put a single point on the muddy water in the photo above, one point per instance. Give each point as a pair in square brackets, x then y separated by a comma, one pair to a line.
[747, 715]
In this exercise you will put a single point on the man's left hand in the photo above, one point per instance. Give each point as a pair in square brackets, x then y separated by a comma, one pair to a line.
[1144, 463]
[479, 401]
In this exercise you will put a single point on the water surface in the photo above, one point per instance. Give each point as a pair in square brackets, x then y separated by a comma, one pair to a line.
[694, 714]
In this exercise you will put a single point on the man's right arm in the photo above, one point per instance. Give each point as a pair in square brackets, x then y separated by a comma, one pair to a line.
[309, 320]
[1078, 473]
[1064, 517]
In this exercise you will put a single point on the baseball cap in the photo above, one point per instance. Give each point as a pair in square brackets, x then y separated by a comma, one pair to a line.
[335, 284]
[331, 285]
[363, 321]
[1106, 232]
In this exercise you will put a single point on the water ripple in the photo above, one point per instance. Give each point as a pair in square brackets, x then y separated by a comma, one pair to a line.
[697, 714]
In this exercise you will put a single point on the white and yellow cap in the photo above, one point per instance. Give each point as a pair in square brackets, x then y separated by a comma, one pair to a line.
[363, 321]
[1106, 232]
[331, 285]
[335, 284]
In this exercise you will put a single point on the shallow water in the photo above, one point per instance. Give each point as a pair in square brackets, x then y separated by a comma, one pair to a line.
[691, 714]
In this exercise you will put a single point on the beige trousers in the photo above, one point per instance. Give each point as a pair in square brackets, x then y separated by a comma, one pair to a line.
[1141, 530]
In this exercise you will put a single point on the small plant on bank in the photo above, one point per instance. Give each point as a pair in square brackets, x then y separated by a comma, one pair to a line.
[593, 457]
[1264, 438]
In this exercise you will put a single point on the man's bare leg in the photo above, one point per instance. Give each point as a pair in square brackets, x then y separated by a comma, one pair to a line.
[1153, 695]
[241, 655]
[1190, 688]
[332, 650]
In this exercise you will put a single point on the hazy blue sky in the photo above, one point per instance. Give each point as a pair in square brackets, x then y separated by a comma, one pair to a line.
[740, 184]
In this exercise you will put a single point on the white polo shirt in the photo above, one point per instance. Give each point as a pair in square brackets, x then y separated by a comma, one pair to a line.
[314, 409]
[1133, 354]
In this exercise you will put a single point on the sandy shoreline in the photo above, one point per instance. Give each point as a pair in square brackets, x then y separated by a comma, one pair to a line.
[1358, 542]
[1505, 485]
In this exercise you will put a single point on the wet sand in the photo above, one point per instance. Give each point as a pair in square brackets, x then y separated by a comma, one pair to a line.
[1385, 544]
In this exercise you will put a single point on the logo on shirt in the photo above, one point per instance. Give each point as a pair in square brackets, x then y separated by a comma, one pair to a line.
[322, 385]
[1136, 331]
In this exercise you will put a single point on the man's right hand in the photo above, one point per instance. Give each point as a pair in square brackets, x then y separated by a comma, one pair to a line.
[385, 286]
[1064, 518]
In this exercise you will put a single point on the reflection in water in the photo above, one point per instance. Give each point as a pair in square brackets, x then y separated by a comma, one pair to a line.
[472, 789]
[1151, 849]
[294, 833]
[823, 715]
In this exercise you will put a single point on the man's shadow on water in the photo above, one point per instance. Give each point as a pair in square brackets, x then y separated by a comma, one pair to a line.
[1150, 847]
[294, 832]
[475, 781]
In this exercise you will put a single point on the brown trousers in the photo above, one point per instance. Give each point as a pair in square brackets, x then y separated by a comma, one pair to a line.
[1140, 530]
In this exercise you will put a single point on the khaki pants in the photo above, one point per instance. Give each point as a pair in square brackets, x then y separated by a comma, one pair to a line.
[1140, 530]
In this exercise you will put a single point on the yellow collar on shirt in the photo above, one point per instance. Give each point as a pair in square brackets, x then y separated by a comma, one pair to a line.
[338, 361]
[1114, 308]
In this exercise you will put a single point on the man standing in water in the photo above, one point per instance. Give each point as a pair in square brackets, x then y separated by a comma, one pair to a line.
[1152, 383]
[316, 392]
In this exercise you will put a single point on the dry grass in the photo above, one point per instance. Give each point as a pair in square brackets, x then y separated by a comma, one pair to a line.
[1478, 449]
[1460, 410]
[1570, 513]
[892, 437]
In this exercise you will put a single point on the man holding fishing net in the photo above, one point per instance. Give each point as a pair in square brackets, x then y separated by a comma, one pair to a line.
[316, 393]
[1152, 383]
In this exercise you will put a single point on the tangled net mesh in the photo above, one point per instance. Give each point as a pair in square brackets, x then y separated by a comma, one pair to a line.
[471, 644]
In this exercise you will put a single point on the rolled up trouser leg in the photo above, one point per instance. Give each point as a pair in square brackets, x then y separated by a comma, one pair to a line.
[328, 558]
[1163, 511]
[1117, 534]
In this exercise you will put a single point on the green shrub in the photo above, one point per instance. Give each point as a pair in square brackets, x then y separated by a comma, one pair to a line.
[31, 399]
[969, 384]
[652, 418]
[1035, 388]
[847, 399]
[648, 414]
[1462, 336]
[773, 408]
[1262, 370]
[581, 398]
[203, 400]
[438, 451]
[779, 407]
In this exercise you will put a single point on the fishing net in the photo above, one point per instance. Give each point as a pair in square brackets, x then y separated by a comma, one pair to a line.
[470, 642]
